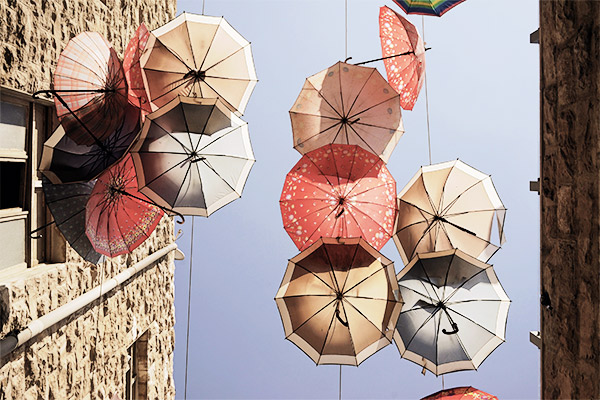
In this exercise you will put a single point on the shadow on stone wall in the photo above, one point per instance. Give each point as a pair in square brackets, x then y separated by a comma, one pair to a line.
[4, 305]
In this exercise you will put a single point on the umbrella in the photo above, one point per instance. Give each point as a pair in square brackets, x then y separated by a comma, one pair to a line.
[198, 56]
[445, 206]
[339, 190]
[90, 89]
[133, 71]
[427, 7]
[347, 104]
[404, 55]
[461, 393]
[339, 301]
[67, 205]
[65, 161]
[118, 218]
[193, 156]
[454, 314]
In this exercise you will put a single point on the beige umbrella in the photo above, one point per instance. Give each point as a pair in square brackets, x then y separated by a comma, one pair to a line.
[347, 104]
[446, 206]
[198, 56]
[339, 301]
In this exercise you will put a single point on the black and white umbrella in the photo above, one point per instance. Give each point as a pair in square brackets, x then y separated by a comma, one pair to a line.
[454, 314]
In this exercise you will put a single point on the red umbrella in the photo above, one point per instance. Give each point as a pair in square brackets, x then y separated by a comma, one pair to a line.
[460, 393]
[403, 55]
[339, 190]
[118, 218]
[90, 89]
[133, 71]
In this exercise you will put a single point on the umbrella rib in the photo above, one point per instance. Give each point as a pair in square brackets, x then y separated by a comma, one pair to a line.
[361, 138]
[332, 272]
[166, 92]
[309, 318]
[447, 273]
[310, 182]
[343, 289]
[325, 339]
[185, 176]
[318, 226]
[360, 91]
[431, 300]
[465, 282]
[372, 219]
[352, 165]
[164, 172]
[184, 147]
[382, 185]
[373, 106]
[242, 48]
[366, 318]
[430, 282]
[333, 186]
[222, 135]
[474, 323]
[429, 317]
[364, 279]
[316, 276]
[209, 47]
[324, 99]
[462, 193]
[220, 177]
[173, 52]
[308, 214]
[364, 174]
[77, 62]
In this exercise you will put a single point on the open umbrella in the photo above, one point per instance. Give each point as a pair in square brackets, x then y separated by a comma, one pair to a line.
[65, 161]
[427, 7]
[403, 55]
[461, 393]
[347, 104]
[454, 313]
[339, 301]
[339, 190]
[118, 217]
[193, 156]
[90, 88]
[133, 72]
[198, 56]
[445, 206]
[67, 205]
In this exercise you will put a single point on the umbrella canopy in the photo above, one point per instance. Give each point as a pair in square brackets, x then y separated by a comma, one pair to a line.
[445, 206]
[454, 314]
[347, 104]
[193, 156]
[198, 56]
[67, 205]
[65, 161]
[118, 219]
[133, 72]
[89, 78]
[404, 55]
[461, 393]
[427, 7]
[339, 190]
[339, 301]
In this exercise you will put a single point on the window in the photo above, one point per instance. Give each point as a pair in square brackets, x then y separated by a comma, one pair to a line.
[136, 378]
[25, 124]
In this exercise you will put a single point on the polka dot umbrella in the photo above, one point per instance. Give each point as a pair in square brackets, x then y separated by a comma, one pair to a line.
[403, 55]
[118, 217]
[461, 393]
[339, 190]
[133, 72]
[347, 104]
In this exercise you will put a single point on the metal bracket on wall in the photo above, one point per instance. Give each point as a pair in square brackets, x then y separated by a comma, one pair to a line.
[534, 37]
[534, 186]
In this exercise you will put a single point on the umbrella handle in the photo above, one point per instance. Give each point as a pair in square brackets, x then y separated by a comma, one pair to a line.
[337, 314]
[39, 229]
[453, 331]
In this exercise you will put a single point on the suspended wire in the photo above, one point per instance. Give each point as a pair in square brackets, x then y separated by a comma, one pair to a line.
[426, 97]
[187, 337]
[203, 1]
[346, 29]
[443, 386]
[340, 388]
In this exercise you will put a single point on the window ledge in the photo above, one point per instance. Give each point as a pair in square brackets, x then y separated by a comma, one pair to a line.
[21, 271]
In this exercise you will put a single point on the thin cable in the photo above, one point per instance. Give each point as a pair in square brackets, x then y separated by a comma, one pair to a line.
[340, 388]
[203, 1]
[426, 97]
[443, 386]
[346, 32]
[187, 338]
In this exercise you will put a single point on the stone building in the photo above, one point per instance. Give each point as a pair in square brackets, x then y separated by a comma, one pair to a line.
[569, 39]
[77, 342]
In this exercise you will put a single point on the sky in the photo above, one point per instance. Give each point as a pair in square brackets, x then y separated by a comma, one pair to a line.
[483, 86]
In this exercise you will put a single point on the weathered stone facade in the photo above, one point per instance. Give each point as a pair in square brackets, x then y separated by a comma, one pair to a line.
[85, 355]
[570, 198]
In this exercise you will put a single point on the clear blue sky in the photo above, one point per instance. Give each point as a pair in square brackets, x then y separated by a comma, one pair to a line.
[483, 77]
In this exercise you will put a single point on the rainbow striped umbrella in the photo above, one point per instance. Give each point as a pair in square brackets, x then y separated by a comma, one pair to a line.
[427, 7]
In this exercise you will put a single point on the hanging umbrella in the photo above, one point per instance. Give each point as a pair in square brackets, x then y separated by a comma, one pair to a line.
[347, 104]
[404, 55]
[427, 7]
[339, 301]
[90, 89]
[454, 314]
[133, 71]
[67, 205]
[193, 156]
[461, 393]
[65, 161]
[445, 206]
[339, 190]
[198, 56]
[118, 218]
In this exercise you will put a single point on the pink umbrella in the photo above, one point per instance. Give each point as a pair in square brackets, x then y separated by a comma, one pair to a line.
[133, 71]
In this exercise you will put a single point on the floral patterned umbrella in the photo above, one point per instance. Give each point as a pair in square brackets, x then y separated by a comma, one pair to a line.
[460, 393]
[118, 217]
[339, 190]
[90, 88]
[403, 55]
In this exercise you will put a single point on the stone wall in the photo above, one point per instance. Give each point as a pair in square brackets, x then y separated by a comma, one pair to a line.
[570, 198]
[85, 356]
[34, 32]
